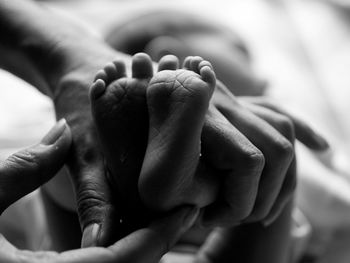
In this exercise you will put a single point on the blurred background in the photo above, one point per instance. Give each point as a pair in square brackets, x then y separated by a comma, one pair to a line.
[300, 47]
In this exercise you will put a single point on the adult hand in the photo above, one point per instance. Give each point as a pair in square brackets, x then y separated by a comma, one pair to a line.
[28, 169]
[272, 145]
[270, 242]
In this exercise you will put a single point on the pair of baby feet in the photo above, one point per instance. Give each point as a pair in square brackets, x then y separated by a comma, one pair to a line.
[150, 127]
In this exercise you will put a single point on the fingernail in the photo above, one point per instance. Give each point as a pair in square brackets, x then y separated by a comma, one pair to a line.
[90, 235]
[55, 133]
[190, 217]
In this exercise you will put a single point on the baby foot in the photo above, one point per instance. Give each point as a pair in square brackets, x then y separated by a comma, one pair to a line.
[177, 100]
[120, 113]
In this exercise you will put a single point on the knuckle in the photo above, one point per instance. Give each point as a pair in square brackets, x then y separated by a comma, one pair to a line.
[89, 201]
[286, 127]
[284, 150]
[254, 159]
[287, 149]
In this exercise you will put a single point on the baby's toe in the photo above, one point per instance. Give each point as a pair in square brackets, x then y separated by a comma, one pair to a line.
[121, 69]
[187, 62]
[141, 66]
[168, 62]
[97, 89]
[194, 64]
[207, 73]
[101, 74]
[111, 72]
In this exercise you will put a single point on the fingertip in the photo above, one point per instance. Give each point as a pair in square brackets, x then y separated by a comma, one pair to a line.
[321, 142]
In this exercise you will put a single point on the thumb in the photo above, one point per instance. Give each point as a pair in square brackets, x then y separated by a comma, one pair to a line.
[96, 203]
[151, 243]
[28, 169]
[98, 214]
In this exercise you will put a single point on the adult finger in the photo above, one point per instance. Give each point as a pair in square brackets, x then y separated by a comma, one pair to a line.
[95, 205]
[285, 195]
[144, 245]
[303, 132]
[280, 123]
[98, 215]
[239, 165]
[277, 150]
[28, 169]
